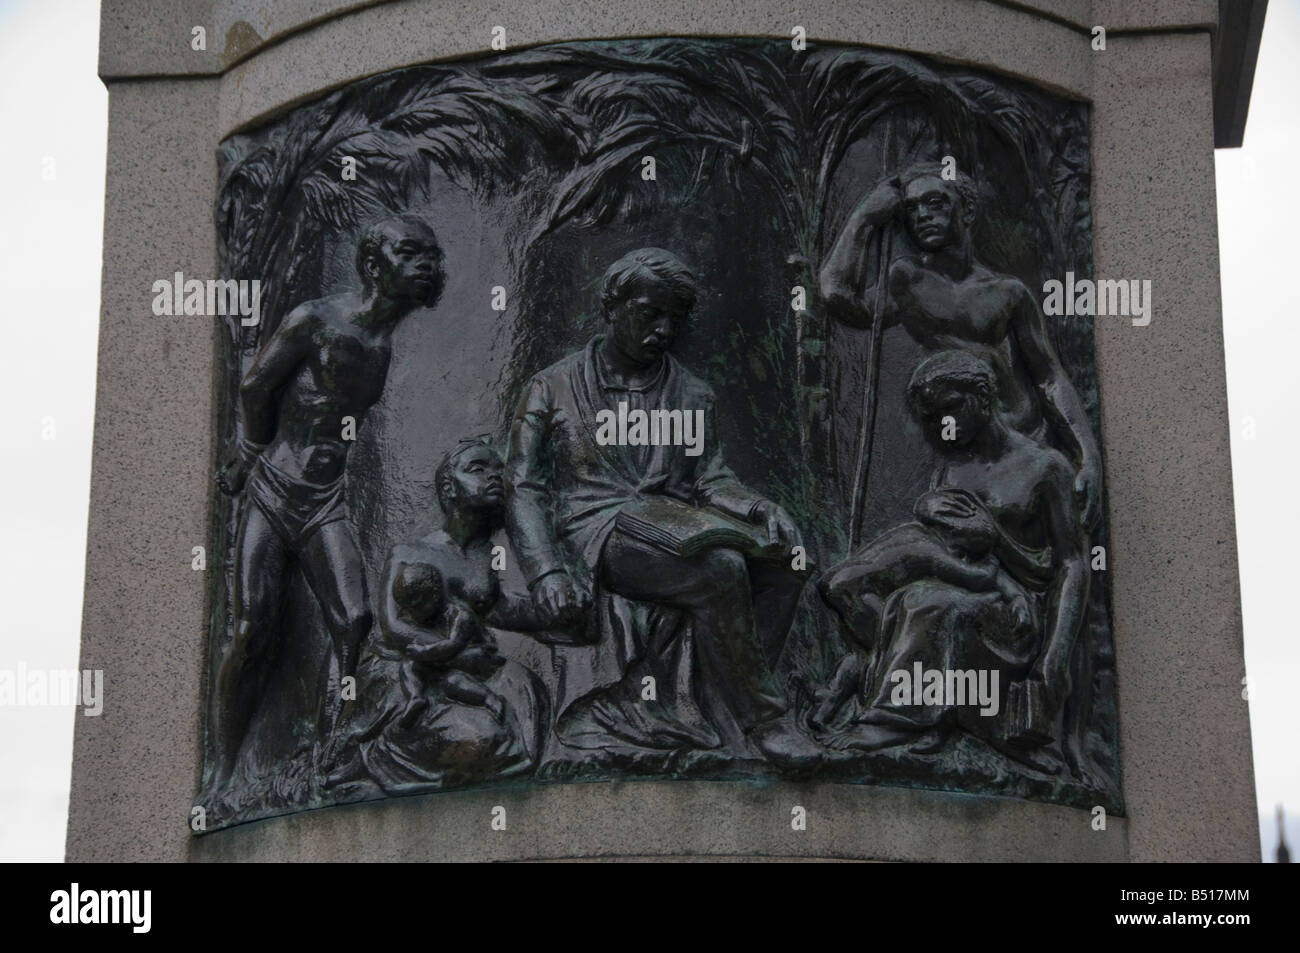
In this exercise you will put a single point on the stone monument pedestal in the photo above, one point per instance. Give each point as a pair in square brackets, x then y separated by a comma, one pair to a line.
[1158, 99]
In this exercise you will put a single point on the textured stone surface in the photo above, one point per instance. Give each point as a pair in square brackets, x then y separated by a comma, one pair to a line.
[1184, 735]
[1184, 732]
[384, 37]
[134, 767]
[675, 818]
[152, 37]
[1117, 15]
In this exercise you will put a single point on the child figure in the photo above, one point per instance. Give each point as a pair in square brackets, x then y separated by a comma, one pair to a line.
[447, 665]
[953, 539]
[459, 711]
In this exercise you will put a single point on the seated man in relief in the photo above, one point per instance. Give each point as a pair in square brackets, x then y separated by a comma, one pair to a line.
[571, 473]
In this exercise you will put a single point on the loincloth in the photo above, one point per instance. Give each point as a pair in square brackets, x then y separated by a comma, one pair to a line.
[294, 507]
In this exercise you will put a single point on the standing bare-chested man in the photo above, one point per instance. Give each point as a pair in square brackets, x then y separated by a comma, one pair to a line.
[945, 298]
[327, 361]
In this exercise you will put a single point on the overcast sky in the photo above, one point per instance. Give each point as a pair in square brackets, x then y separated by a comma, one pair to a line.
[53, 108]
[1259, 247]
[51, 105]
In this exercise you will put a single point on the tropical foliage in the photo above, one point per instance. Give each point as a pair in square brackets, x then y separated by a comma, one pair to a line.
[577, 119]
[562, 131]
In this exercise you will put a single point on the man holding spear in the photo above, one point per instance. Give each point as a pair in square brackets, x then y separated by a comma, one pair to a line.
[945, 298]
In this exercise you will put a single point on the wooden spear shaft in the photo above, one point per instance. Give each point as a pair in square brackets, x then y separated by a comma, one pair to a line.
[867, 435]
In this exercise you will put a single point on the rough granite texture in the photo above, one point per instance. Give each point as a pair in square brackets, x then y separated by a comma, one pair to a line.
[379, 38]
[677, 818]
[1184, 733]
[134, 767]
[1184, 730]
[151, 37]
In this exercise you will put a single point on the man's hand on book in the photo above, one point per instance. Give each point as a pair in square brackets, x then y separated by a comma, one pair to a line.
[558, 600]
[781, 531]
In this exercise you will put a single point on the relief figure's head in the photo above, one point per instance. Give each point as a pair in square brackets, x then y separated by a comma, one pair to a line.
[939, 212]
[953, 396]
[647, 295]
[471, 476]
[417, 590]
[400, 259]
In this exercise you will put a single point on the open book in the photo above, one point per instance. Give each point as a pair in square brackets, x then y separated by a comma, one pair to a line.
[686, 531]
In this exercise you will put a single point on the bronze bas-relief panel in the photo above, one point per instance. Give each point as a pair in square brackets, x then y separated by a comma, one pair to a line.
[659, 408]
